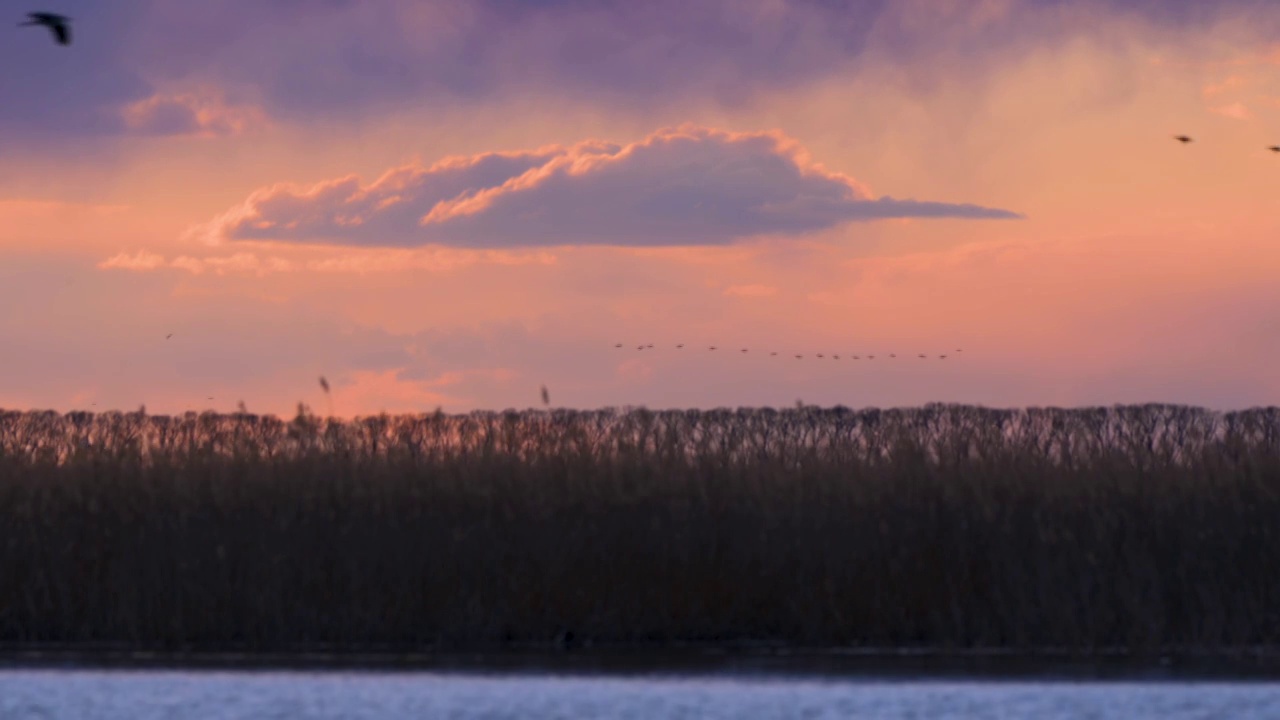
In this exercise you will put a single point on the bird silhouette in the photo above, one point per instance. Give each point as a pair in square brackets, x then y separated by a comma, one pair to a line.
[1182, 139]
[618, 345]
[546, 397]
[773, 353]
[871, 357]
[324, 384]
[58, 24]
[892, 355]
[1274, 148]
[713, 347]
[680, 346]
[166, 337]
[819, 355]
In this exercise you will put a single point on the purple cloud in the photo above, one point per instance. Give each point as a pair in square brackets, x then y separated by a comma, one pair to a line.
[680, 186]
[321, 60]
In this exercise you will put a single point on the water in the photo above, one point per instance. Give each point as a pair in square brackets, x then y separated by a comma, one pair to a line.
[209, 695]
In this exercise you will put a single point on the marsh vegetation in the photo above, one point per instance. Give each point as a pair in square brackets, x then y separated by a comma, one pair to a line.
[1141, 528]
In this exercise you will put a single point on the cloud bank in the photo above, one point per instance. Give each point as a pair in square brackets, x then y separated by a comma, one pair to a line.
[678, 186]
[322, 60]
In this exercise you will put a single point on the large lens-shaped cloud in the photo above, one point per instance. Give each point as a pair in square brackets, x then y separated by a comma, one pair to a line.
[682, 186]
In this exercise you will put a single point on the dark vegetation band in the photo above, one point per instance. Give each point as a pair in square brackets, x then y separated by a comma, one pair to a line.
[1137, 527]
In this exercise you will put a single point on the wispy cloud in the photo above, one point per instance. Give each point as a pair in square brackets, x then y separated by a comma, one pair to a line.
[1235, 111]
[354, 262]
[204, 114]
[682, 186]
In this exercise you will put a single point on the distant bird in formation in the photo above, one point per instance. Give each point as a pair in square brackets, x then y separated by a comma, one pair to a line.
[1184, 139]
[166, 337]
[324, 384]
[774, 353]
[58, 24]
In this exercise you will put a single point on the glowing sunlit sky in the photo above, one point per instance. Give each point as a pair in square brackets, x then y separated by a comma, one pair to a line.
[453, 202]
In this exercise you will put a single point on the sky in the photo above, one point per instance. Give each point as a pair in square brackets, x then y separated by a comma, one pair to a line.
[452, 203]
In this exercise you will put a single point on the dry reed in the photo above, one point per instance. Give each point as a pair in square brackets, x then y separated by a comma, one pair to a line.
[1139, 528]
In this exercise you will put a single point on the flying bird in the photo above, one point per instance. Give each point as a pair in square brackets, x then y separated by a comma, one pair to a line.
[618, 345]
[166, 337]
[1274, 148]
[56, 23]
[1182, 139]
[546, 397]
[680, 346]
[324, 385]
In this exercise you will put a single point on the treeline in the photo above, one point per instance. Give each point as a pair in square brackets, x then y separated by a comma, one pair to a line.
[952, 527]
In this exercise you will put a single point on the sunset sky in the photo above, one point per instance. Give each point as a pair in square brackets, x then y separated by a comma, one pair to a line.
[453, 202]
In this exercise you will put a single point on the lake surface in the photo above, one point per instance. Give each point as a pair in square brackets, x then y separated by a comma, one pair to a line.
[220, 695]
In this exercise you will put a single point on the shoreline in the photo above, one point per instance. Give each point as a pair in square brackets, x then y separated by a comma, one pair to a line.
[1247, 664]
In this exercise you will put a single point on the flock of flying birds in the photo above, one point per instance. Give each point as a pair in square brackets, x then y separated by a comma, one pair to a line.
[800, 356]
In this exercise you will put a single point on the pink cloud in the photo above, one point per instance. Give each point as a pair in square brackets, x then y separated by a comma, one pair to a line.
[357, 262]
[139, 261]
[680, 186]
[203, 114]
[1235, 111]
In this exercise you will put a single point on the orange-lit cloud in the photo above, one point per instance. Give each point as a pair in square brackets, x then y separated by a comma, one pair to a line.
[683, 186]
[354, 262]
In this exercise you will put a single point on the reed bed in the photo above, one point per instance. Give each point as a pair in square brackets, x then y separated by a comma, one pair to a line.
[1140, 528]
